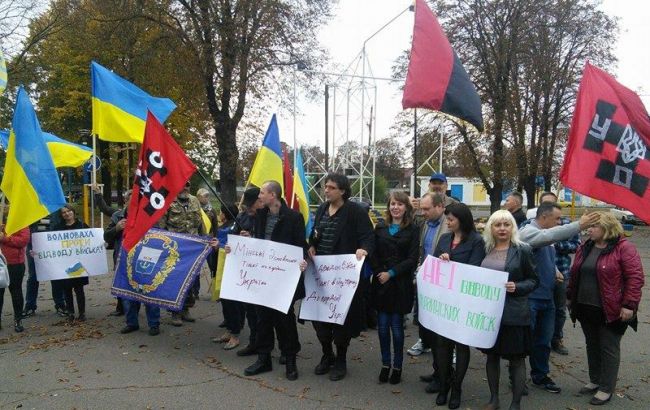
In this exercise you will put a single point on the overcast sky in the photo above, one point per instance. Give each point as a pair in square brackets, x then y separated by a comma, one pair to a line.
[356, 20]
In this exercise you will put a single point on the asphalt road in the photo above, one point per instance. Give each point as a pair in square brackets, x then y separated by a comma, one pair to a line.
[53, 365]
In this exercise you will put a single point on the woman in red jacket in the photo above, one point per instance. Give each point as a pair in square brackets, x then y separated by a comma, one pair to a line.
[13, 248]
[604, 293]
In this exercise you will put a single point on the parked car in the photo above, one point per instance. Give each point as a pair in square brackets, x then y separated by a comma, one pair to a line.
[626, 217]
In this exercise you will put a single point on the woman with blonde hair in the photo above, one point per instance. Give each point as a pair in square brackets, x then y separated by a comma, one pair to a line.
[603, 294]
[505, 252]
[393, 263]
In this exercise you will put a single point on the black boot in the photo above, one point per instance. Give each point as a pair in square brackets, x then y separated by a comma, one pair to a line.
[441, 399]
[262, 365]
[454, 396]
[326, 361]
[396, 376]
[383, 374]
[18, 327]
[292, 369]
[340, 368]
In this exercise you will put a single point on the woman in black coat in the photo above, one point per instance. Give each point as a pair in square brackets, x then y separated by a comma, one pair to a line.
[464, 245]
[393, 263]
[505, 252]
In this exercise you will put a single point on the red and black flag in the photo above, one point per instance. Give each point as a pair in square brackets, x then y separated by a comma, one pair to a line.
[162, 172]
[607, 155]
[436, 78]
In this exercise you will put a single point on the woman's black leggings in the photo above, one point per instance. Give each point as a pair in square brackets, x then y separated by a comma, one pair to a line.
[16, 274]
[69, 301]
[444, 357]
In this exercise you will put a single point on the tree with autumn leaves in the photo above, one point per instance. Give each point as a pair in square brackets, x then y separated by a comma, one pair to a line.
[217, 59]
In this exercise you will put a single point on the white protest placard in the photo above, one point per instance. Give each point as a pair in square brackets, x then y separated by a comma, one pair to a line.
[330, 283]
[461, 302]
[261, 272]
[69, 254]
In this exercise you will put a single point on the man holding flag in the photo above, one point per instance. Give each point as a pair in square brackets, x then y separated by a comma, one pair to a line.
[163, 174]
[184, 216]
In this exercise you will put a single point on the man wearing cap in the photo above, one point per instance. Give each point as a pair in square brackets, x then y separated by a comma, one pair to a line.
[246, 226]
[438, 185]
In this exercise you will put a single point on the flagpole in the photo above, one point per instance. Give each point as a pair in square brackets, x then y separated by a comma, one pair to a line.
[3, 203]
[293, 193]
[93, 180]
[221, 201]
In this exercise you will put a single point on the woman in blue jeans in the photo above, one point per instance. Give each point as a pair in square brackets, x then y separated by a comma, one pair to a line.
[393, 263]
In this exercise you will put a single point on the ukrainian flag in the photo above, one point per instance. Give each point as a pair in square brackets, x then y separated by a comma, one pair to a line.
[64, 153]
[120, 108]
[76, 270]
[300, 191]
[30, 180]
[206, 222]
[3, 73]
[268, 162]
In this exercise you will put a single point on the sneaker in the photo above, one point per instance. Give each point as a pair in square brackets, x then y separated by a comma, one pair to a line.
[185, 317]
[417, 349]
[559, 348]
[29, 312]
[61, 311]
[547, 384]
[129, 329]
[176, 319]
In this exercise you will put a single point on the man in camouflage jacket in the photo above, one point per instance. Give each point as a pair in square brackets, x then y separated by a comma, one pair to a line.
[184, 216]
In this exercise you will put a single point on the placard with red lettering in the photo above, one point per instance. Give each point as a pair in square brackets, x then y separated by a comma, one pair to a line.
[261, 272]
[330, 283]
[461, 302]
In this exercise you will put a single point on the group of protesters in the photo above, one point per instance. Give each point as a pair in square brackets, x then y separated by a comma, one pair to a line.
[602, 287]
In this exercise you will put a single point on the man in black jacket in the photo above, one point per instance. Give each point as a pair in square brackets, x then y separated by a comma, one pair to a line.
[513, 205]
[276, 222]
[341, 227]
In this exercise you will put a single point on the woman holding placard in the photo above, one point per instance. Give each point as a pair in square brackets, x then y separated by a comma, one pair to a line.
[70, 222]
[505, 252]
[464, 245]
[393, 262]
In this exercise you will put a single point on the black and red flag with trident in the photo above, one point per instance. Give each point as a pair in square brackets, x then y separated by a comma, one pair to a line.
[607, 155]
[162, 172]
[436, 78]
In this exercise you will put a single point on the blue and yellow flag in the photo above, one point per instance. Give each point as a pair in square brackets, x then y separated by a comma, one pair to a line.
[155, 273]
[268, 162]
[3, 73]
[30, 180]
[300, 191]
[120, 108]
[64, 153]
